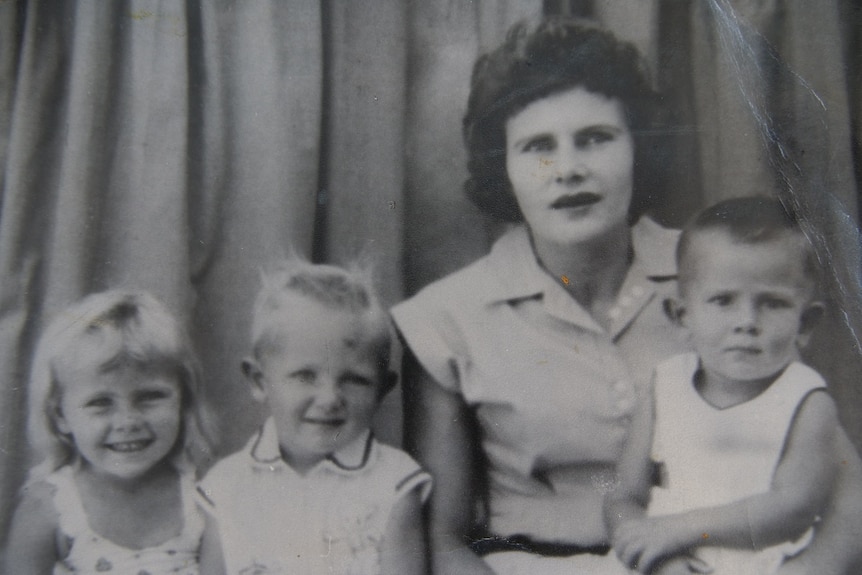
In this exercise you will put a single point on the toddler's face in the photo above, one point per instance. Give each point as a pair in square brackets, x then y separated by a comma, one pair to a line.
[123, 421]
[744, 306]
[322, 380]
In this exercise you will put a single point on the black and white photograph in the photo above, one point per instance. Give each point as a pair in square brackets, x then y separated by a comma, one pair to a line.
[430, 287]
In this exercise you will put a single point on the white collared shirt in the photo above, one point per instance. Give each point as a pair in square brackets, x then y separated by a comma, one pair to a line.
[329, 520]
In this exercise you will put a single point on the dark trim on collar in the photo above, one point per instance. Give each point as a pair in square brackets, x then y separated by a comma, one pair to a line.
[366, 454]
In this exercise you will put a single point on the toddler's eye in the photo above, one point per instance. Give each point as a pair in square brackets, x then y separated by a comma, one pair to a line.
[152, 395]
[775, 303]
[721, 300]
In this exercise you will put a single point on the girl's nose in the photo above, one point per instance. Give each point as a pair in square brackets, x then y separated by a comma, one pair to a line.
[127, 418]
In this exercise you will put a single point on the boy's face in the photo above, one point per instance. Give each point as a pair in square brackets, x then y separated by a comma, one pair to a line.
[747, 307]
[321, 378]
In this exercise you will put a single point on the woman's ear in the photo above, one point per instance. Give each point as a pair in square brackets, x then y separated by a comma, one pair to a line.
[253, 373]
[809, 319]
[674, 310]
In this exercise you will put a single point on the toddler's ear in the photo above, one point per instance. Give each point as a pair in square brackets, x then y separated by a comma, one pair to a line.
[252, 372]
[809, 319]
[390, 378]
[674, 310]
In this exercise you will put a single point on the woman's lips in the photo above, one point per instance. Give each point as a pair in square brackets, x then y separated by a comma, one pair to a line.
[575, 200]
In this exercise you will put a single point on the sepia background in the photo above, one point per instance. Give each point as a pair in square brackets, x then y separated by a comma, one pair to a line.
[181, 146]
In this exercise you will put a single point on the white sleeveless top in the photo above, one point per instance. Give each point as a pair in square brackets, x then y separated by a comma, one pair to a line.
[714, 456]
[90, 553]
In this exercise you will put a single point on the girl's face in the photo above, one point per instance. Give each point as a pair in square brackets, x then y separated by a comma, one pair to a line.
[569, 158]
[124, 421]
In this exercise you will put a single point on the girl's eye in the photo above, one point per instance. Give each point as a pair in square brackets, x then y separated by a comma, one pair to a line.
[590, 138]
[152, 395]
[540, 144]
[99, 403]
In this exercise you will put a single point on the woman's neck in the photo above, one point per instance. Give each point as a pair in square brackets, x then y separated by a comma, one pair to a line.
[592, 272]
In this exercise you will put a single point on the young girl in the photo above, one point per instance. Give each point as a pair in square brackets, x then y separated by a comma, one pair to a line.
[112, 408]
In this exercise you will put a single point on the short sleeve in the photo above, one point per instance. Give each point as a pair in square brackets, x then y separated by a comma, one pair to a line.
[408, 475]
[427, 329]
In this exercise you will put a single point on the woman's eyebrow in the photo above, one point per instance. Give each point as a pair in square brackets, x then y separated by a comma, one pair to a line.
[532, 138]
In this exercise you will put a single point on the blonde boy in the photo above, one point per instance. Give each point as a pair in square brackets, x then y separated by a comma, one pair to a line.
[742, 432]
[313, 491]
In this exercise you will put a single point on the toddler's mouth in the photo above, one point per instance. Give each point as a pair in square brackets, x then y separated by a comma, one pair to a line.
[746, 349]
[129, 446]
[578, 200]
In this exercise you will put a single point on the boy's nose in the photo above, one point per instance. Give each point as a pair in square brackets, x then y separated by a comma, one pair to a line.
[329, 396]
[747, 320]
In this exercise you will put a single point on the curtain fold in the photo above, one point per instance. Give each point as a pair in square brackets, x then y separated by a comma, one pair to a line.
[181, 147]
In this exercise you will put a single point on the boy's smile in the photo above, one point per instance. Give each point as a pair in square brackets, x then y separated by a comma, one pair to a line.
[744, 306]
[321, 378]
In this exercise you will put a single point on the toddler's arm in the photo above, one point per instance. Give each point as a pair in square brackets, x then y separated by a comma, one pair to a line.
[800, 487]
[404, 548]
[32, 544]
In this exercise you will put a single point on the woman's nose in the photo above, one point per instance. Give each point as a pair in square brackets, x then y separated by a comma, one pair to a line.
[571, 167]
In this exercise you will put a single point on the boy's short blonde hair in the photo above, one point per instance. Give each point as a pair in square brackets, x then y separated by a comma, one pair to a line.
[108, 330]
[350, 290]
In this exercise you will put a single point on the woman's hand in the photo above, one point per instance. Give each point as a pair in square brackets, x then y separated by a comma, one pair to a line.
[642, 543]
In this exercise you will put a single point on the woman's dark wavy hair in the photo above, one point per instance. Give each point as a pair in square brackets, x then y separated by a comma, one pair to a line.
[537, 61]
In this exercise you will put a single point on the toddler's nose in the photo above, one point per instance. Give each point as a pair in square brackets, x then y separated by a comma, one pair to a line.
[747, 320]
[329, 397]
[127, 418]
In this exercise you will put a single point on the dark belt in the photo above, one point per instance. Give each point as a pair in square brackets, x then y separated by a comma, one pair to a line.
[497, 544]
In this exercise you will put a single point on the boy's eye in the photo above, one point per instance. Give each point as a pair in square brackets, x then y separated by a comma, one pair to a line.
[540, 144]
[593, 137]
[721, 299]
[358, 380]
[303, 376]
[775, 303]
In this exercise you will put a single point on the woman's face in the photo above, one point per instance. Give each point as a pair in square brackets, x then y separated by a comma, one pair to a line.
[569, 158]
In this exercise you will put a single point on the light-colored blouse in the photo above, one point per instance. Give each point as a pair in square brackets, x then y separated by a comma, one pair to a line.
[552, 390]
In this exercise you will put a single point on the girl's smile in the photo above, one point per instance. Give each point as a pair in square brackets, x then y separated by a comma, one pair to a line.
[123, 421]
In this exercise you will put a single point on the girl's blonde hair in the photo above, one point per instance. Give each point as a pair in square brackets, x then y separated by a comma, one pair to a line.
[106, 330]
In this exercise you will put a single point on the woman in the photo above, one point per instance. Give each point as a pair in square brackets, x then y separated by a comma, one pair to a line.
[522, 369]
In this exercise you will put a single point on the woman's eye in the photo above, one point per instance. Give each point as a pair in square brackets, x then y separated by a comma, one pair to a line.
[543, 144]
[593, 138]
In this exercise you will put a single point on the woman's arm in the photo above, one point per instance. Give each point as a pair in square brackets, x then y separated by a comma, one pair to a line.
[439, 432]
[211, 558]
[835, 549]
[404, 548]
[800, 487]
[32, 544]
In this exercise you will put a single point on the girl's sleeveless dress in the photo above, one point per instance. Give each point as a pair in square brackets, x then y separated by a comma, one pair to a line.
[91, 553]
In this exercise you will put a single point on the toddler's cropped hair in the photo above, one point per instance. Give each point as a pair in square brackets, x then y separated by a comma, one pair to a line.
[108, 330]
[350, 290]
[750, 221]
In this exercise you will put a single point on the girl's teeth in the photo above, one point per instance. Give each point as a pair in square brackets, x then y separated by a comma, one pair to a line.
[129, 446]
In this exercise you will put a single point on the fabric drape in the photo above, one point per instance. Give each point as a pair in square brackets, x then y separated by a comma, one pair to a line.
[181, 147]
